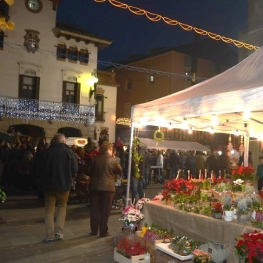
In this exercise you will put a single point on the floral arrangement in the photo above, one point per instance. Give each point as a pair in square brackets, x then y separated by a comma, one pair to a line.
[166, 195]
[140, 203]
[154, 232]
[244, 173]
[179, 185]
[201, 256]
[158, 197]
[131, 246]
[131, 216]
[217, 208]
[250, 247]
[218, 252]
[183, 246]
[221, 187]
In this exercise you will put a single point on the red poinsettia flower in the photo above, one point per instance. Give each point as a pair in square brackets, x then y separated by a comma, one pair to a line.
[250, 246]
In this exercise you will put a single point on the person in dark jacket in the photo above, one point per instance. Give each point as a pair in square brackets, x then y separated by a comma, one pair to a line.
[102, 189]
[58, 167]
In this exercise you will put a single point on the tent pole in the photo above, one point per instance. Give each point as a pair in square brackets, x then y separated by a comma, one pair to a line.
[246, 150]
[129, 167]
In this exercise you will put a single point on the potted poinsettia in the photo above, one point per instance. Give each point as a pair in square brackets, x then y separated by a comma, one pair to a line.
[250, 247]
[217, 210]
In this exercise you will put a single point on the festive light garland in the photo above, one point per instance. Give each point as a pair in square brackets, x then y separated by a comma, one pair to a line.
[156, 18]
[46, 110]
[107, 64]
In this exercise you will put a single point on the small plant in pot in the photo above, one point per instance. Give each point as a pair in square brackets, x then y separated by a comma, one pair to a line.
[228, 208]
[217, 210]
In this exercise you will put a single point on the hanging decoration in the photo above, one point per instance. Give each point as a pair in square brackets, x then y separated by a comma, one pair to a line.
[156, 18]
[158, 136]
[4, 23]
[124, 121]
[230, 145]
[46, 110]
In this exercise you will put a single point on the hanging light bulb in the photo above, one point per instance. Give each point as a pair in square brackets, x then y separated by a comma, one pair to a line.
[237, 132]
[170, 126]
[190, 131]
[214, 120]
[211, 130]
[246, 115]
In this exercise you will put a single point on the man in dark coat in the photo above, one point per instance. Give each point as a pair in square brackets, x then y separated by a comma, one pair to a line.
[102, 189]
[58, 169]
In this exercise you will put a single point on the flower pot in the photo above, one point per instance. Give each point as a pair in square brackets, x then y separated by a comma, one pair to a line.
[228, 215]
[216, 215]
[241, 219]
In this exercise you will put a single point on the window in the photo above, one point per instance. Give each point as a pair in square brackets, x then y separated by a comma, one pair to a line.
[1, 40]
[29, 87]
[152, 79]
[73, 54]
[83, 56]
[127, 110]
[71, 92]
[128, 84]
[61, 52]
[99, 108]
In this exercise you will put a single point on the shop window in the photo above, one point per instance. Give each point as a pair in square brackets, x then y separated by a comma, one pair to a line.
[99, 108]
[84, 56]
[128, 84]
[29, 87]
[152, 78]
[61, 52]
[73, 54]
[71, 92]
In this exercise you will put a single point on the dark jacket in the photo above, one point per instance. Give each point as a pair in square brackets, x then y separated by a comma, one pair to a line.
[102, 174]
[58, 168]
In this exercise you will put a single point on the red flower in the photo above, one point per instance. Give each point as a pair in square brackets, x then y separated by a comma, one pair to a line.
[179, 185]
[250, 246]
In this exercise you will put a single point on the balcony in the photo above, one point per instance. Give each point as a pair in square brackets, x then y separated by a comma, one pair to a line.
[46, 110]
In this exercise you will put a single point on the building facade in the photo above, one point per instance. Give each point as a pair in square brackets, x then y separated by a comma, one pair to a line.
[49, 77]
[254, 33]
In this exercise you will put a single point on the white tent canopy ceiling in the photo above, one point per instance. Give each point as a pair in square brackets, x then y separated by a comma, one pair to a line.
[174, 145]
[226, 96]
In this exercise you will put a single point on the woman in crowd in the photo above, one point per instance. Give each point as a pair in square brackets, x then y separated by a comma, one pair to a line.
[102, 189]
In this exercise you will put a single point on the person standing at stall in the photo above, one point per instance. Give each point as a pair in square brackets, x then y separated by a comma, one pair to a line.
[102, 189]
[59, 165]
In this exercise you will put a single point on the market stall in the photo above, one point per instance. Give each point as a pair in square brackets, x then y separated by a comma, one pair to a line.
[198, 227]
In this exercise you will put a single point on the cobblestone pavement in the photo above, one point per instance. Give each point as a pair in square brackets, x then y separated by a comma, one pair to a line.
[21, 238]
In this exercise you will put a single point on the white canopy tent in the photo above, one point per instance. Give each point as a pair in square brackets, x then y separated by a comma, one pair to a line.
[176, 145]
[226, 96]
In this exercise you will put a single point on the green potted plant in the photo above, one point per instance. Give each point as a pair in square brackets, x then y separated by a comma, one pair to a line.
[228, 208]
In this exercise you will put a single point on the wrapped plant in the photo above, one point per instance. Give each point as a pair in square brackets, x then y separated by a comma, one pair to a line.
[243, 204]
[218, 251]
[227, 202]
[217, 208]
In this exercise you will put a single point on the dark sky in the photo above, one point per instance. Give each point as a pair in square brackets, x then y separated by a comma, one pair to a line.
[132, 34]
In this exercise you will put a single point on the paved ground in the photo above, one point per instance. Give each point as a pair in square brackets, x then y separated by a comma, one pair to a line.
[22, 235]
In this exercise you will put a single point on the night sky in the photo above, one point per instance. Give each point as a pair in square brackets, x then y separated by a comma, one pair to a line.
[132, 34]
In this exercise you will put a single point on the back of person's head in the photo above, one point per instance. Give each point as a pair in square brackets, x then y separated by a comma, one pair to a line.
[106, 145]
[59, 138]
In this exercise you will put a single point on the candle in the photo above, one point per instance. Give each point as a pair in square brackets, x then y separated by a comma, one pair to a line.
[177, 174]
[205, 173]
[220, 173]
[199, 174]
[212, 175]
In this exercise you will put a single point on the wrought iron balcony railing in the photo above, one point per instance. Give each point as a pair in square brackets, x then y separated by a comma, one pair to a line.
[46, 110]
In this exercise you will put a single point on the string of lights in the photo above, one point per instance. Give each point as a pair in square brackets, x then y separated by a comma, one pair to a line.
[157, 17]
[106, 63]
